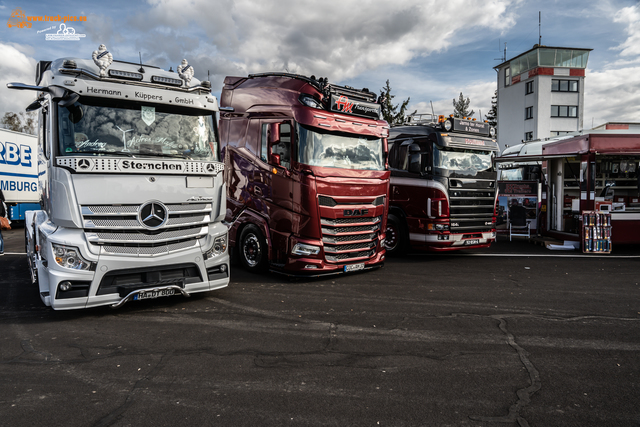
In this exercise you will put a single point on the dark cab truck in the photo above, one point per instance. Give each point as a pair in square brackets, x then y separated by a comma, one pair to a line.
[307, 181]
[443, 184]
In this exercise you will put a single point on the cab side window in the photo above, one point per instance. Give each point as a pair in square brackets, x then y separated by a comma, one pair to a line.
[43, 131]
[398, 155]
[283, 148]
[393, 155]
[264, 146]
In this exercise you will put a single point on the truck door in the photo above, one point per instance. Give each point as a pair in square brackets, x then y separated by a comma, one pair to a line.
[277, 137]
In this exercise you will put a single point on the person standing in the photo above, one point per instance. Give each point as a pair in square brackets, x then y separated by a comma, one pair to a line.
[3, 212]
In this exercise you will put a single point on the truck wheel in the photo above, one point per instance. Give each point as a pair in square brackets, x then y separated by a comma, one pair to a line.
[31, 256]
[395, 240]
[252, 249]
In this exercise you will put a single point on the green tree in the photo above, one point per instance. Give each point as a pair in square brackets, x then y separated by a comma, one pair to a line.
[492, 117]
[20, 122]
[461, 107]
[393, 114]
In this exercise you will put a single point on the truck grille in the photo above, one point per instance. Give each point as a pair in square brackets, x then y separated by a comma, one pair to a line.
[352, 256]
[471, 205]
[351, 238]
[117, 229]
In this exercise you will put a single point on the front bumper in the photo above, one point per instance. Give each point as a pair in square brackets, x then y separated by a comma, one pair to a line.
[318, 266]
[453, 242]
[116, 280]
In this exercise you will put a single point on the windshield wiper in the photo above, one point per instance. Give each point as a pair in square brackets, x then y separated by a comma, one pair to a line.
[110, 153]
[175, 156]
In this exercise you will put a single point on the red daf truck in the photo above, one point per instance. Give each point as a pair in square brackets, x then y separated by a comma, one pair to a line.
[443, 184]
[307, 180]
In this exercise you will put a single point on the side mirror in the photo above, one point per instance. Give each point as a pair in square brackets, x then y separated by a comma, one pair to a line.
[35, 105]
[274, 133]
[75, 113]
[415, 163]
[274, 159]
[414, 149]
[69, 99]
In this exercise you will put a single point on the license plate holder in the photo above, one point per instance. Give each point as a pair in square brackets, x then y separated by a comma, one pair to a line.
[152, 294]
[472, 242]
[353, 267]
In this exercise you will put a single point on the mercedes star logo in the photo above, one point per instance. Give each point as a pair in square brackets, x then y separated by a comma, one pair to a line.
[153, 215]
[210, 168]
[84, 164]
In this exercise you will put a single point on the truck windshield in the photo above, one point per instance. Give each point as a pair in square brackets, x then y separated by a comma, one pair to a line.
[512, 174]
[336, 150]
[462, 160]
[107, 127]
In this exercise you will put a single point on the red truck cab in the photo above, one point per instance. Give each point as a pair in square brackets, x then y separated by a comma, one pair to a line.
[443, 185]
[307, 179]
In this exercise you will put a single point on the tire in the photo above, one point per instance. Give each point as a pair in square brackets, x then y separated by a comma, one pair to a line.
[395, 241]
[31, 261]
[252, 250]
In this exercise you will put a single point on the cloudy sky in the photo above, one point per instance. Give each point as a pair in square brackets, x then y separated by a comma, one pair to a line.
[429, 50]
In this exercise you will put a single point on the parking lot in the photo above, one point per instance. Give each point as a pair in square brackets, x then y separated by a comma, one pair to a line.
[513, 335]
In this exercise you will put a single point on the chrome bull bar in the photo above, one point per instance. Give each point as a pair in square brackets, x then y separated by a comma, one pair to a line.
[133, 294]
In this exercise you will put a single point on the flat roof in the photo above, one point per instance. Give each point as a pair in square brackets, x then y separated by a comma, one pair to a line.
[536, 46]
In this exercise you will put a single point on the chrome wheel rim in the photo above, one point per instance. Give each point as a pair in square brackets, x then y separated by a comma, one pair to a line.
[391, 237]
[251, 250]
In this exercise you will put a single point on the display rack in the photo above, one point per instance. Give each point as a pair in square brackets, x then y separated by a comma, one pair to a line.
[596, 232]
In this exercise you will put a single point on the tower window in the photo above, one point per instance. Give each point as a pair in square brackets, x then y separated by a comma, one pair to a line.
[528, 88]
[564, 85]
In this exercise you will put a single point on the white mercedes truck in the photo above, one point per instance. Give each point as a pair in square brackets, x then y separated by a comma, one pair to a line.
[131, 187]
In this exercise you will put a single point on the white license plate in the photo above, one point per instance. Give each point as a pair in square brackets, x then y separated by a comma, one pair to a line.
[472, 242]
[354, 267]
[154, 294]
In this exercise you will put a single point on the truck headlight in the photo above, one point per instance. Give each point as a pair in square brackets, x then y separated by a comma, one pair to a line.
[219, 246]
[70, 257]
[438, 227]
[302, 249]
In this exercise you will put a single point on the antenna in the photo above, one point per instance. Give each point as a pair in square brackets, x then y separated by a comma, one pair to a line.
[504, 55]
[141, 70]
[432, 110]
[480, 112]
[539, 28]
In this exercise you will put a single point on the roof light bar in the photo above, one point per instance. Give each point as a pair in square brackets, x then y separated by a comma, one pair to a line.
[127, 75]
[166, 81]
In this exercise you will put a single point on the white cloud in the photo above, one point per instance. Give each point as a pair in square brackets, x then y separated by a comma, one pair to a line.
[631, 17]
[612, 95]
[340, 39]
[15, 67]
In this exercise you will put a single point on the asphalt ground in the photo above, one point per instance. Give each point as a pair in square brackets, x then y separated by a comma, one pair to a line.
[513, 335]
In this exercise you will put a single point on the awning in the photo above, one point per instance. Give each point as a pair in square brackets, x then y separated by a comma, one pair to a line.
[534, 158]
